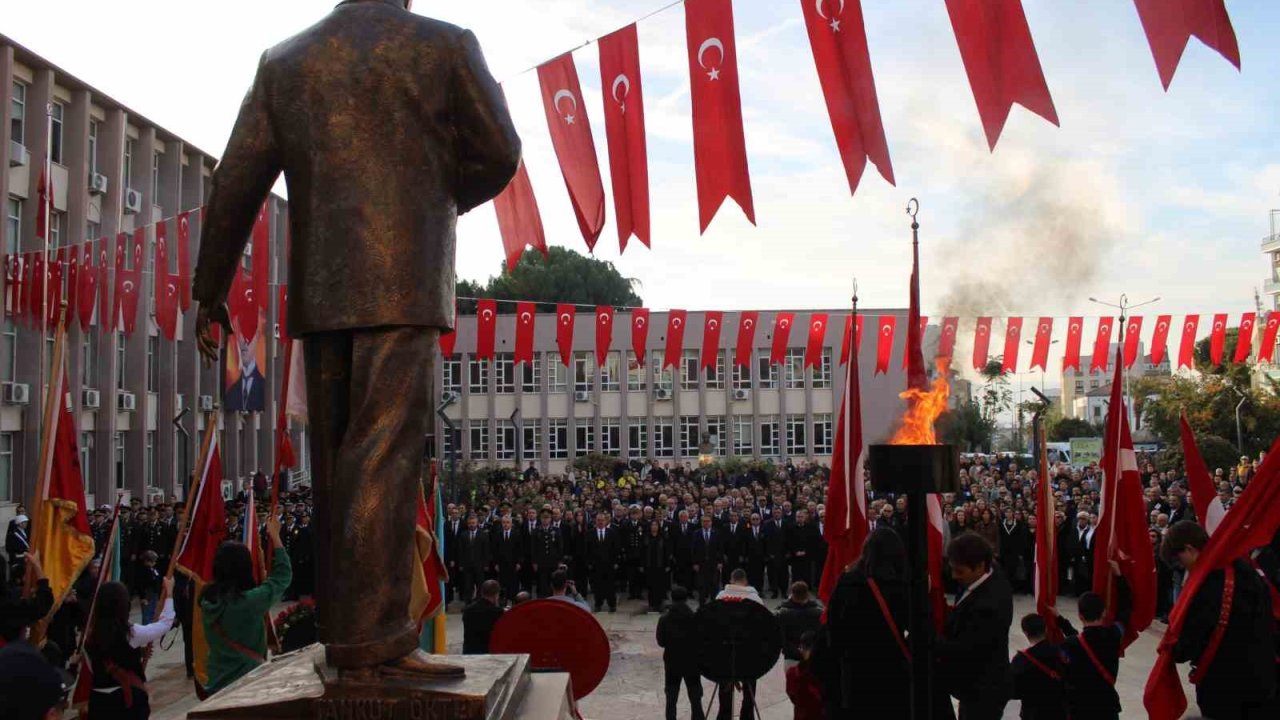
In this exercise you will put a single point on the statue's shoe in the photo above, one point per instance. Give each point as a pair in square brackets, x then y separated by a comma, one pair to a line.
[419, 664]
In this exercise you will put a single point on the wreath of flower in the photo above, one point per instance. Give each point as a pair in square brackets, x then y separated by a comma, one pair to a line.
[292, 615]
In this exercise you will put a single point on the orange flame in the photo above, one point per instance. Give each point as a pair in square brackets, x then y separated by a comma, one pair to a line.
[923, 409]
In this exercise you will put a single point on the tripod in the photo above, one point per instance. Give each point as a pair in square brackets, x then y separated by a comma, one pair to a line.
[727, 685]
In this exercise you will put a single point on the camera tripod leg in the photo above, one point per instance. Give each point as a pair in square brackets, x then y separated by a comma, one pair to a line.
[715, 695]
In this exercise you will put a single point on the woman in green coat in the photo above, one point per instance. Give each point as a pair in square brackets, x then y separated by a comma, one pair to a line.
[235, 608]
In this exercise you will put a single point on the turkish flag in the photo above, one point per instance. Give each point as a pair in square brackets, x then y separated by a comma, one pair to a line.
[640, 334]
[1187, 351]
[88, 291]
[852, 337]
[884, 342]
[1046, 547]
[526, 314]
[719, 145]
[486, 328]
[1266, 351]
[448, 340]
[1244, 341]
[1001, 61]
[243, 305]
[105, 287]
[1204, 496]
[571, 137]
[1170, 25]
[712, 320]
[166, 287]
[624, 128]
[53, 304]
[184, 260]
[519, 222]
[604, 332]
[846, 519]
[260, 272]
[1132, 333]
[782, 323]
[1160, 339]
[71, 267]
[1012, 339]
[839, 43]
[747, 322]
[1102, 344]
[37, 289]
[675, 337]
[117, 296]
[1217, 338]
[1040, 352]
[947, 338]
[817, 338]
[981, 342]
[565, 316]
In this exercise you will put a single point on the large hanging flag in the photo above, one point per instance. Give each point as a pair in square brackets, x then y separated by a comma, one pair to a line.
[640, 334]
[260, 258]
[486, 328]
[846, 520]
[1071, 354]
[53, 296]
[105, 284]
[1170, 26]
[128, 280]
[712, 320]
[1204, 497]
[624, 128]
[719, 143]
[519, 221]
[1160, 339]
[242, 305]
[1001, 61]
[604, 333]
[206, 530]
[1132, 334]
[747, 322]
[1244, 340]
[1121, 533]
[1102, 345]
[166, 287]
[1012, 340]
[87, 294]
[782, 323]
[526, 314]
[817, 338]
[838, 40]
[429, 571]
[1187, 350]
[884, 342]
[1046, 575]
[71, 265]
[1252, 523]
[1040, 351]
[947, 336]
[1218, 338]
[571, 137]
[1267, 350]
[565, 316]
[675, 338]
[981, 342]
[184, 260]
[846, 338]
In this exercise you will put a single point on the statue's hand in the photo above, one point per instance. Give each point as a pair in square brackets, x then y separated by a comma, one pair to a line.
[206, 316]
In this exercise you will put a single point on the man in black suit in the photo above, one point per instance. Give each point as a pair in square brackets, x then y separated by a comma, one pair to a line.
[603, 553]
[1066, 552]
[753, 552]
[775, 552]
[800, 539]
[473, 558]
[452, 528]
[973, 650]
[818, 546]
[682, 548]
[707, 553]
[478, 620]
[547, 552]
[1082, 567]
[633, 552]
[733, 532]
[508, 555]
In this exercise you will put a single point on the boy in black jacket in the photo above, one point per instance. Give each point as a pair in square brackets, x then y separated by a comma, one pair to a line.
[677, 636]
[1093, 653]
[1038, 674]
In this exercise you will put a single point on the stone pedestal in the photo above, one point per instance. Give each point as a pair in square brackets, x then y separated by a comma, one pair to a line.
[300, 685]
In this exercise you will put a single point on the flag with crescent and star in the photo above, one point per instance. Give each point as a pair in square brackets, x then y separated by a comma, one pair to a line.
[1001, 61]
[53, 300]
[575, 149]
[184, 261]
[1071, 354]
[565, 316]
[69, 258]
[846, 524]
[624, 128]
[782, 323]
[817, 339]
[87, 293]
[449, 339]
[1040, 352]
[676, 320]
[1187, 349]
[923, 324]
[1102, 344]
[526, 314]
[947, 337]
[1267, 350]
[1244, 340]
[486, 328]
[166, 286]
[1132, 334]
[719, 142]
[1012, 339]
[132, 286]
[519, 221]
[886, 327]
[1218, 338]
[1160, 339]
[105, 286]
[746, 340]
[640, 334]
[242, 305]
[604, 333]
[838, 40]
[981, 342]
[852, 337]
[712, 320]
[1169, 28]
[261, 260]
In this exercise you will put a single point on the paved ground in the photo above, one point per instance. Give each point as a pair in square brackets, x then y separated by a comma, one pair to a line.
[633, 687]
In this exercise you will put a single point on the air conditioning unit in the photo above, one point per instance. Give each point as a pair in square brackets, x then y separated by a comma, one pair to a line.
[132, 202]
[741, 394]
[206, 403]
[97, 184]
[450, 397]
[662, 394]
[17, 393]
[18, 155]
[126, 402]
[90, 399]
[581, 396]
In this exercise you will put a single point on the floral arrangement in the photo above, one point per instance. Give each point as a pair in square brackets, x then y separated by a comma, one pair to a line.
[302, 612]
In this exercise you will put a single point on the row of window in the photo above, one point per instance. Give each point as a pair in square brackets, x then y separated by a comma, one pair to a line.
[507, 375]
[671, 437]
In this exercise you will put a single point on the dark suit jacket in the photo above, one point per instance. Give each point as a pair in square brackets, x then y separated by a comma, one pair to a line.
[478, 620]
[703, 553]
[474, 556]
[603, 556]
[387, 125]
[973, 651]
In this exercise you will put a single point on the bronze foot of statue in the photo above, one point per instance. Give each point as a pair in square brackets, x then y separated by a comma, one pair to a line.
[419, 664]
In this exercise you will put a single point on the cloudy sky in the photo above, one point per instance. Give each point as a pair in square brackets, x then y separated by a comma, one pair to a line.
[1140, 191]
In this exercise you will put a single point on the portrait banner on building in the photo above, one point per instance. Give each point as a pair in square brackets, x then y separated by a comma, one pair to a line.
[244, 385]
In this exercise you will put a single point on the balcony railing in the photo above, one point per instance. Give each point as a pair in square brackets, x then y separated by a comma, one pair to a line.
[1271, 243]
[1271, 287]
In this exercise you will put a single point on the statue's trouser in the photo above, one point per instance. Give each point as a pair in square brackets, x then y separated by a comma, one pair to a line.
[368, 395]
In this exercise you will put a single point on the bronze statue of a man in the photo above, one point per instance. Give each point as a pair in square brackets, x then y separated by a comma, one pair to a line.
[387, 125]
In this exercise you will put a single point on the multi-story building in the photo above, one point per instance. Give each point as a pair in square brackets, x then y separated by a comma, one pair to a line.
[1270, 288]
[1078, 387]
[113, 170]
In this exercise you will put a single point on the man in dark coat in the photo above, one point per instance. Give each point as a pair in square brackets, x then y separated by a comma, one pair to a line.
[508, 554]
[548, 551]
[733, 532]
[478, 619]
[707, 552]
[800, 540]
[973, 650]
[1014, 547]
[474, 557]
[603, 557]
[678, 637]
[1093, 653]
[1036, 674]
[753, 552]
[682, 549]
[775, 552]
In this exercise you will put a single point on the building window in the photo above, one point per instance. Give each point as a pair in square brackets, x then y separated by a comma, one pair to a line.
[635, 373]
[611, 436]
[93, 146]
[6, 466]
[793, 369]
[450, 444]
[128, 163]
[715, 433]
[664, 440]
[479, 440]
[767, 371]
[585, 434]
[532, 432]
[155, 178]
[822, 434]
[690, 437]
[531, 375]
[611, 374]
[13, 220]
[92, 230]
[504, 371]
[153, 363]
[583, 372]
[663, 378]
[1079, 386]
[55, 138]
[17, 123]
[557, 438]
[150, 466]
[9, 349]
[822, 373]
[86, 460]
[452, 371]
[742, 435]
[689, 370]
[557, 374]
[769, 436]
[715, 373]
[478, 377]
[120, 356]
[505, 441]
[741, 377]
[638, 440]
[795, 436]
[120, 435]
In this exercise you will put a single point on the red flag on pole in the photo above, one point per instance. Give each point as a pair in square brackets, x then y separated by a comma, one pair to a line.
[184, 260]
[1012, 340]
[1102, 345]
[575, 150]
[53, 302]
[640, 334]
[604, 332]
[42, 204]
[166, 287]
[817, 337]
[1187, 351]
[1218, 338]
[906, 351]
[526, 313]
[747, 322]
[1132, 334]
[937, 585]
[782, 323]
[1001, 61]
[132, 285]
[917, 376]
[675, 337]
[206, 530]
[450, 339]
[1170, 26]
[1040, 352]
[1244, 340]
[260, 270]
[519, 222]
[1204, 497]
[71, 267]
[1160, 339]
[87, 295]
[486, 328]
[846, 339]
[565, 316]
[884, 342]
[846, 520]
[624, 127]
[242, 304]
[1071, 354]
[981, 342]
[947, 338]
[105, 287]
[838, 40]
[1046, 576]
[712, 320]
[719, 144]
[1266, 351]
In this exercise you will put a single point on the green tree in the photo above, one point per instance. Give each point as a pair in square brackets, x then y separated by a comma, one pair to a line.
[1210, 401]
[1238, 372]
[1066, 428]
[564, 276]
[1217, 453]
[965, 427]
